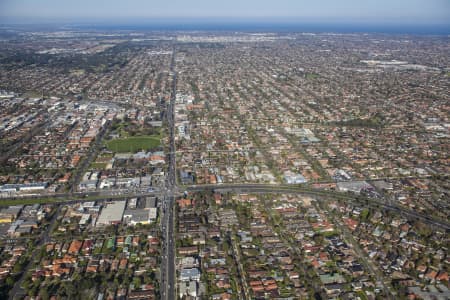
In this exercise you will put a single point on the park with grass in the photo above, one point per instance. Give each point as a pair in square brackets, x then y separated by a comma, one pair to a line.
[134, 144]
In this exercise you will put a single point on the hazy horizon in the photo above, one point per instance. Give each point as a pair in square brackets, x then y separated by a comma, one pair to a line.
[248, 25]
[376, 12]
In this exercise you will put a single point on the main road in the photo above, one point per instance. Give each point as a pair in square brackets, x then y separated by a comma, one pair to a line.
[168, 272]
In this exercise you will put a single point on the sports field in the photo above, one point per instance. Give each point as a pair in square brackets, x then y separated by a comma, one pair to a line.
[133, 144]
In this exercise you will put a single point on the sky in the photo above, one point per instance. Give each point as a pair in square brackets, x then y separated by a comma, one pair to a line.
[302, 11]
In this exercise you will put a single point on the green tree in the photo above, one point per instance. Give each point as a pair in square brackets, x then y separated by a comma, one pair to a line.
[43, 293]
[137, 281]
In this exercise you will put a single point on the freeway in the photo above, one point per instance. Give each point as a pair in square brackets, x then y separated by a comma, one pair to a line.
[296, 189]
[240, 188]
[137, 191]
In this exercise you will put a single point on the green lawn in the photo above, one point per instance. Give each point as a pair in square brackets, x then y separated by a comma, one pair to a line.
[312, 76]
[133, 144]
[98, 165]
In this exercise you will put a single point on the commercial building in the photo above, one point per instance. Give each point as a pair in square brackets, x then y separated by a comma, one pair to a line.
[112, 213]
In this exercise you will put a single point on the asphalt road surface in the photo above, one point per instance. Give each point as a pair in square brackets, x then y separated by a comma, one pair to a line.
[168, 272]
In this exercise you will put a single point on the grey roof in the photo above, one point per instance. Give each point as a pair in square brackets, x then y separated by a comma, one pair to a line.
[113, 212]
[150, 202]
